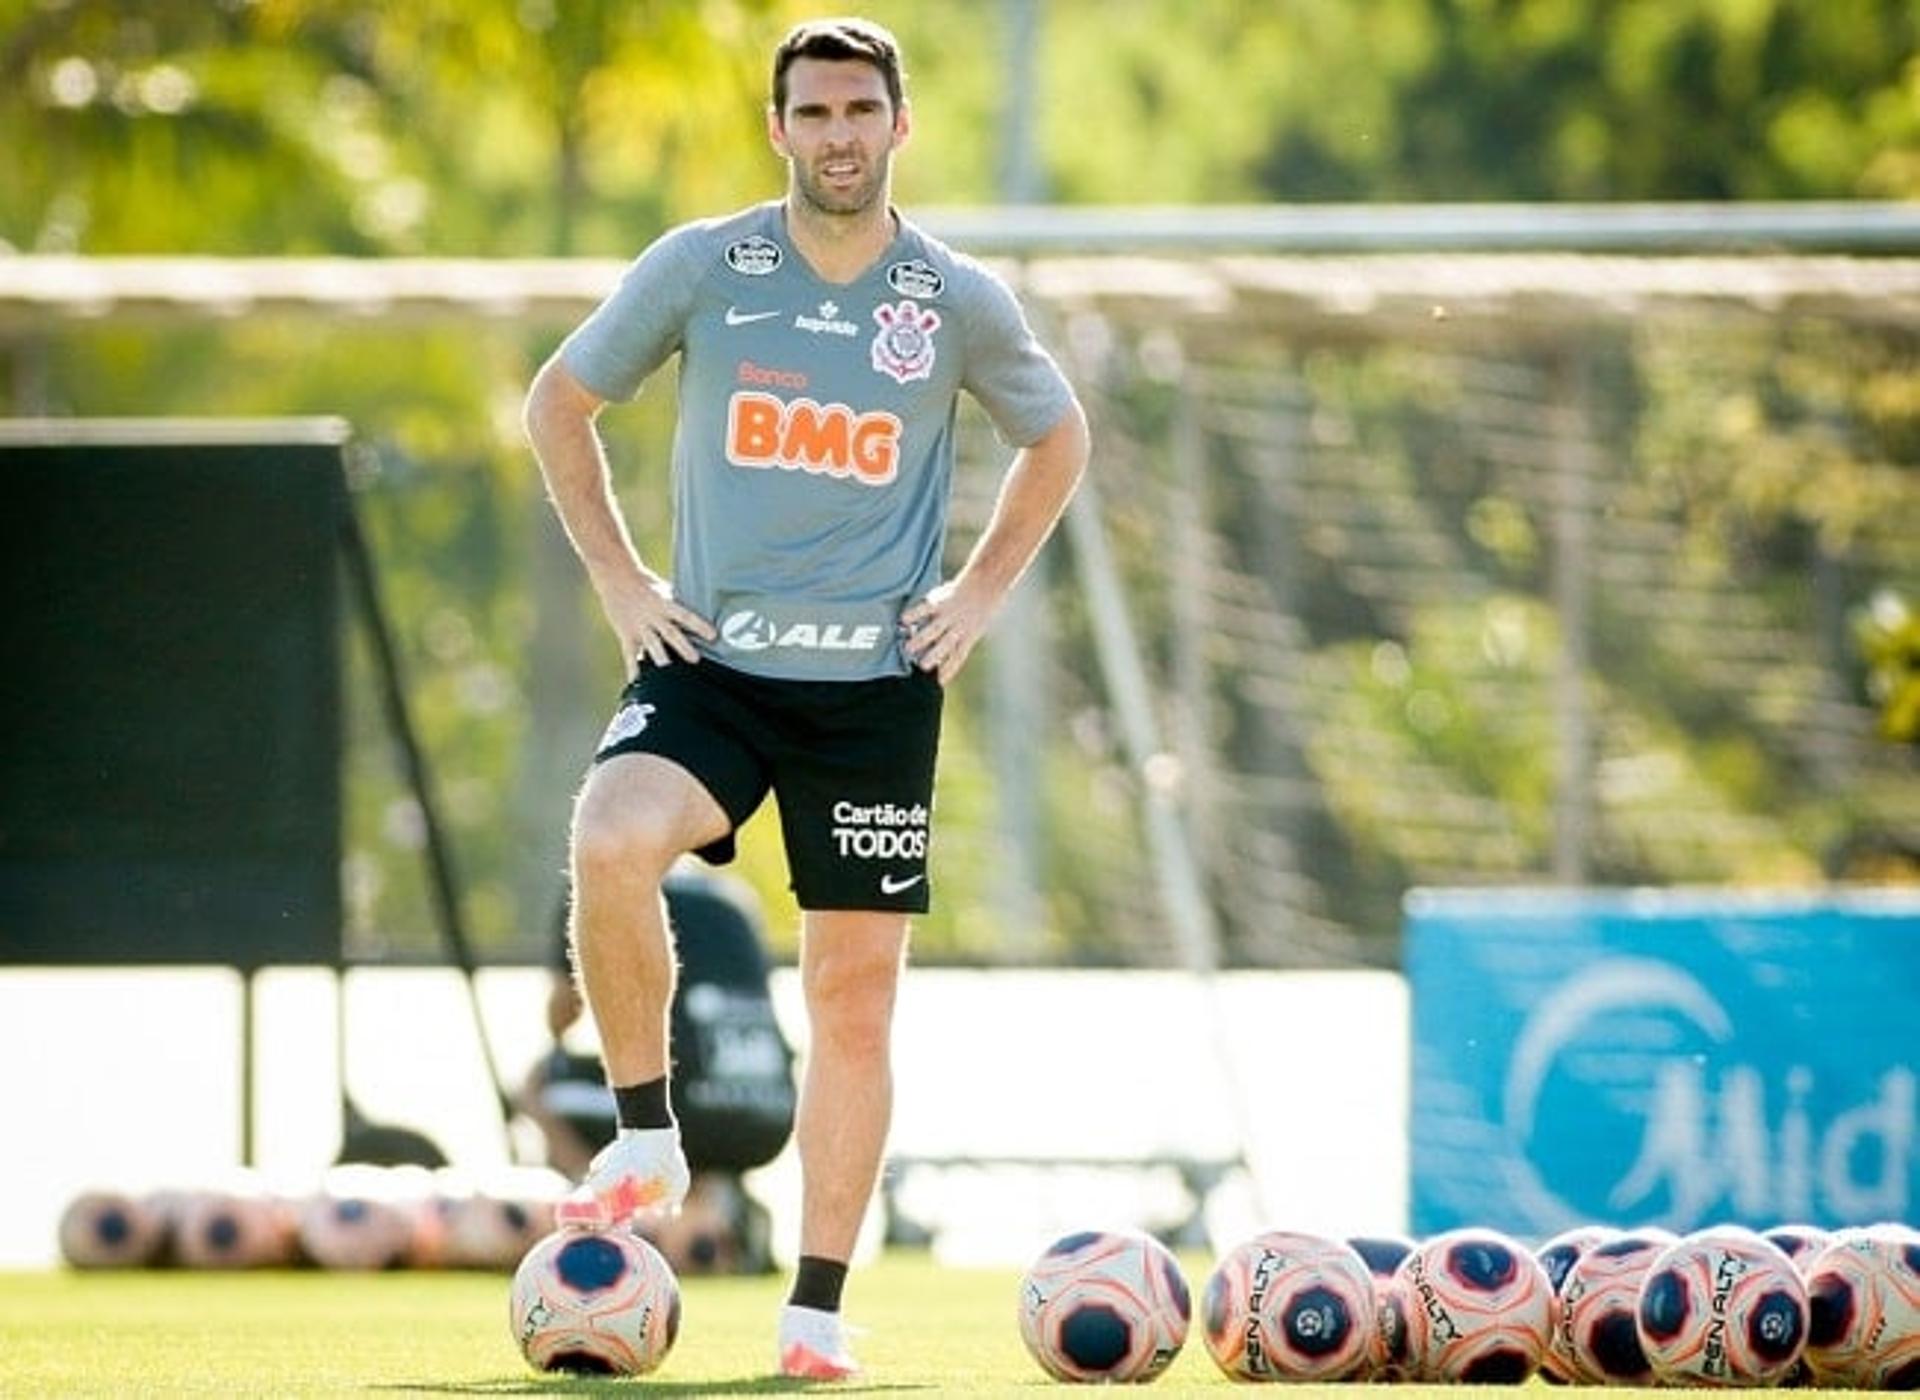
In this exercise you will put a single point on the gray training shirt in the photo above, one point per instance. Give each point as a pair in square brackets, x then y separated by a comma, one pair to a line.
[813, 457]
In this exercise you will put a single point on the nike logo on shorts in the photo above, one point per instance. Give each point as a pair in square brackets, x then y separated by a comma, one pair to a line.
[890, 885]
[737, 317]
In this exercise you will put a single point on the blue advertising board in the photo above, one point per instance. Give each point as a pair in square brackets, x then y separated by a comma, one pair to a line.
[1676, 1058]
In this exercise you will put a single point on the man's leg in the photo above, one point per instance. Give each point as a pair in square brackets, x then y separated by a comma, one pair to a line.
[849, 970]
[635, 816]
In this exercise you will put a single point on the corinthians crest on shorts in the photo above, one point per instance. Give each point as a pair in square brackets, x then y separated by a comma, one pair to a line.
[904, 346]
[631, 720]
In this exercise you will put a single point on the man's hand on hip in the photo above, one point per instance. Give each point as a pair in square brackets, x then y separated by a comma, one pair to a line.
[650, 623]
[943, 627]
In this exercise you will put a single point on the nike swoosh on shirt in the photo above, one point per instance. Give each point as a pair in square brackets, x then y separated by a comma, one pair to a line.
[737, 317]
[889, 885]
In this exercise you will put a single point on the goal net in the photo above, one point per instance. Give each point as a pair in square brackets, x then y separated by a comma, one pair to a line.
[1461, 569]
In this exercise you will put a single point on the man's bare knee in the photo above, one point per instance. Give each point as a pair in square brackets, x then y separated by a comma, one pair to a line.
[850, 1002]
[615, 834]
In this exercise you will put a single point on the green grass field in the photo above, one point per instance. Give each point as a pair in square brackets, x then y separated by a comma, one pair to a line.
[929, 1331]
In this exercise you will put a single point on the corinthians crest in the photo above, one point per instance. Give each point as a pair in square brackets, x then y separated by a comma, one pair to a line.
[904, 346]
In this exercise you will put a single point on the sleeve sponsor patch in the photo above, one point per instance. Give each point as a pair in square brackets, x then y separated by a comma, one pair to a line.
[753, 256]
[916, 278]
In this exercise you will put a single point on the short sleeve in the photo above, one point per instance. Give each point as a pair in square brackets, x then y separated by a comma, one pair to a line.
[1007, 369]
[631, 334]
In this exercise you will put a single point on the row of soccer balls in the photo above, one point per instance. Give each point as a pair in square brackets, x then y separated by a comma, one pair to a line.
[1721, 1306]
[353, 1218]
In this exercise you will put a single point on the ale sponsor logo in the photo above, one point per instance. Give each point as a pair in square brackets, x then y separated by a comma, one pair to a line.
[750, 631]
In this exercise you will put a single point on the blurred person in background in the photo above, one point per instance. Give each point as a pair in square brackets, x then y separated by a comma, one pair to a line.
[732, 1087]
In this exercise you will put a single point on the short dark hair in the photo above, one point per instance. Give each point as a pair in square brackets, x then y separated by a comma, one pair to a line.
[841, 40]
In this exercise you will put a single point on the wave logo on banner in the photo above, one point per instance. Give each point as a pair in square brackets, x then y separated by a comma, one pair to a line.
[1636, 1066]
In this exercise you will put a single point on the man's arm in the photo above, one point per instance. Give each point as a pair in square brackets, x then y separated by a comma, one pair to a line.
[946, 624]
[638, 602]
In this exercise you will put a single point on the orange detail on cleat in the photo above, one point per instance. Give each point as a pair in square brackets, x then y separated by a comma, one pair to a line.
[586, 1214]
[628, 1198]
[801, 1362]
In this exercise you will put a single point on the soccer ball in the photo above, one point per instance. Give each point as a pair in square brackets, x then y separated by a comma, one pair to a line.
[1557, 1256]
[1293, 1307]
[594, 1302]
[1387, 1348]
[1104, 1305]
[1380, 1253]
[354, 1222]
[1478, 1308]
[1864, 1289]
[429, 1245]
[1798, 1242]
[491, 1232]
[1721, 1306]
[493, 1220]
[1595, 1339]
[233, 1230]
[106, 1230]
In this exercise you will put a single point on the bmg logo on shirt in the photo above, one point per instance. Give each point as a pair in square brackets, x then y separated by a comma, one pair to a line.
[801, 435]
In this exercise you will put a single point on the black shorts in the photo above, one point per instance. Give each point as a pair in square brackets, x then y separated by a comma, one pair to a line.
[850, 763]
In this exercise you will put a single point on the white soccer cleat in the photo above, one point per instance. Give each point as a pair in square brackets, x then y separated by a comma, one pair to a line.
[813, 1346]
[643, 1169]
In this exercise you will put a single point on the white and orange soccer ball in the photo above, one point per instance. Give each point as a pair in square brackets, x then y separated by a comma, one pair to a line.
[1558, 1256]
[233, 1229]
[356, 1221]
[1722, 1306]
[1381, 1253]
[594, 1302]
[491, 1221]
[1105, 1305]
[1477, 1306]
[490, 1232]
[1290, 1307]
[111, 1230]
[1864, 1292]
[1595, 1338]
[1798, 1242]
[1387, 1351]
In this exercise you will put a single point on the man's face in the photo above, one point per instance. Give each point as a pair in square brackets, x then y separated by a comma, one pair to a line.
[838, 133]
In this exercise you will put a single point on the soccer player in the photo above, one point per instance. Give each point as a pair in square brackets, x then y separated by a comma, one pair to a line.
[804, 637]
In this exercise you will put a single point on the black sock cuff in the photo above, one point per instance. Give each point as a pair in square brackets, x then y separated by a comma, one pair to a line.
[817, 1283]
[643, 1105]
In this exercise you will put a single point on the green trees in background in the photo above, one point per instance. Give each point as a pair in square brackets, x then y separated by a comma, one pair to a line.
[1486, 100]
[537, 126]
[342, 126]
[548, 127]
